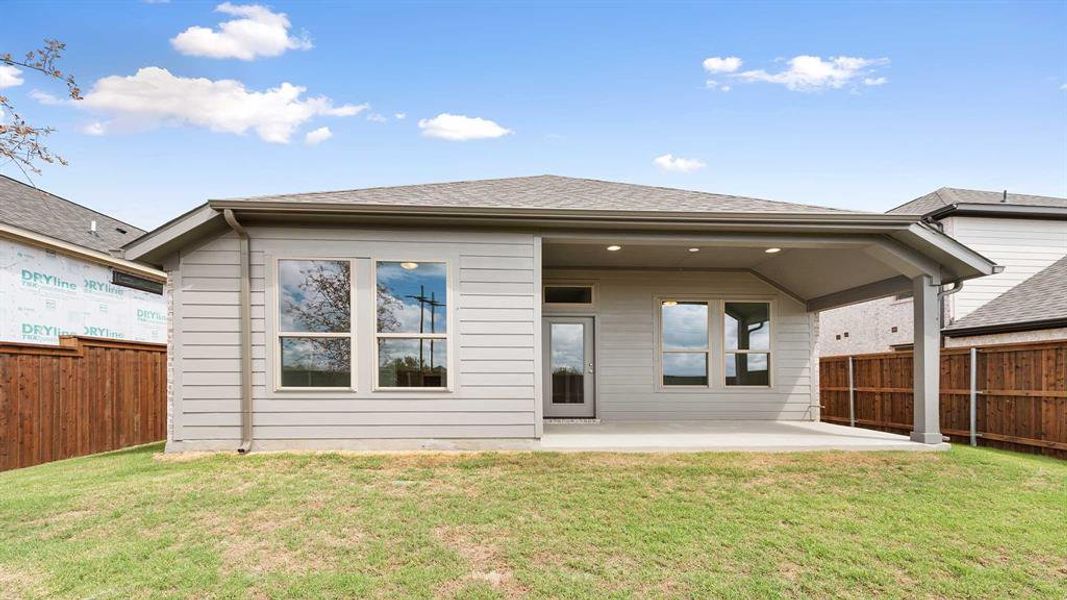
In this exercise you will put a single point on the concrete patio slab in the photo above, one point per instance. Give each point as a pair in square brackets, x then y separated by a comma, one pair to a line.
[724, 436]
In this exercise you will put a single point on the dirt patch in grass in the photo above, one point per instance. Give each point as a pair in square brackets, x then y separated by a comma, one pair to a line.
[485, 561]
[18, 582]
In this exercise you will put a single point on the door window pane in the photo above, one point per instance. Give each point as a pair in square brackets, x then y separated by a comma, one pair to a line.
[752, 368]
[685, 325]
[412, 297]
[314, 296]
[747, 325]
[415, 363]
[685, 368]
[568, 363]
[316, 362]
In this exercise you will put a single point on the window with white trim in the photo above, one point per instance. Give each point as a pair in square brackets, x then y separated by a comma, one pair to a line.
[315, 336]
[412, 324]
[747, 328]
[684, 347]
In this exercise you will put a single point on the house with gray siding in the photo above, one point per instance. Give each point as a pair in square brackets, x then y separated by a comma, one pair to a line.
[479, 310]
[1024, 233]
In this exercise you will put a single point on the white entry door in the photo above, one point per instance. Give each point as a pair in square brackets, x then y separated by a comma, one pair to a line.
[569, 387]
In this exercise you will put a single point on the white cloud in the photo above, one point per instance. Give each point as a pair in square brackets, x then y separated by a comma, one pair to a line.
[94, 128]
[317, 136]
[400, 116]
[711, 84]
[1063, 87]
[377, 118]
[45, 98]
[154, 97]
[875, 81]
[256, 32]
[716, 64]
[460, 128]
[677, 164]
[812, 73]
[9, 76]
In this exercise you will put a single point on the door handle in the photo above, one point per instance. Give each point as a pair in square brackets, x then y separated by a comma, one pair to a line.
[591, 370]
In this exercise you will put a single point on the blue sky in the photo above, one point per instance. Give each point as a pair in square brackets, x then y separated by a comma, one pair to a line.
[956, 94]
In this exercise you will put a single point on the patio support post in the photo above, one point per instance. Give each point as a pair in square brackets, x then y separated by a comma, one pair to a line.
[927, 368]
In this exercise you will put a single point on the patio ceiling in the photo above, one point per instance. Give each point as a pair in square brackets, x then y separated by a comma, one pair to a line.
[822, 272]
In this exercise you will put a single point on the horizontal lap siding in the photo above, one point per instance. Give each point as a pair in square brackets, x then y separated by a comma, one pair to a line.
[493, 340]
[1022, 246]
[627, 349]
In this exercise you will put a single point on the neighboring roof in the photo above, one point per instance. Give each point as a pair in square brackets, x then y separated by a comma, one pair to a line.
[948, 197]
[549, 192]
[1036, 303]
[35, 210]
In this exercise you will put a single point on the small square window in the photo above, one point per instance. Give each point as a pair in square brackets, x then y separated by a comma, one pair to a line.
[894, 329]
[568, 294]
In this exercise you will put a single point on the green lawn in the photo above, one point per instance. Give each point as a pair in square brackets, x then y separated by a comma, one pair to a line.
[966, 523]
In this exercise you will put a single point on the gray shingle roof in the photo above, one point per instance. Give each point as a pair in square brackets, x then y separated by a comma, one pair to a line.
[1040, 298]
[949, 196]
[27, 207]
[547, 192]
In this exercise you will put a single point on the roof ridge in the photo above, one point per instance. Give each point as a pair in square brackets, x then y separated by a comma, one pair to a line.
[385, 187]
[71, 202]
[541, 176]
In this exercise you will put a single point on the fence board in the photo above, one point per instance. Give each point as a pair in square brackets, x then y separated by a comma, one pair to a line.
[84, 396]
[1022, 394]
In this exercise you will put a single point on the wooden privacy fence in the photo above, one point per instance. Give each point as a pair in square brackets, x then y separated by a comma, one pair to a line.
[84, 396]
[1015, 397]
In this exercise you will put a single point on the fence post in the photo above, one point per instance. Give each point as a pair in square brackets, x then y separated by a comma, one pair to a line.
[851, 396]
[974, 396]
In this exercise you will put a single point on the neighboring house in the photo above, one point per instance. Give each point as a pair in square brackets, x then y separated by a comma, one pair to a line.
[59, 277]
[1034, 310]
[1020, 232]
[479, 309]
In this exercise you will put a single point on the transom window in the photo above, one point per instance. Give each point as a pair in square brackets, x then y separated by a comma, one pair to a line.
[412, 324]
[315, 333]
[747, 327]
[568, 294]
[684, 342]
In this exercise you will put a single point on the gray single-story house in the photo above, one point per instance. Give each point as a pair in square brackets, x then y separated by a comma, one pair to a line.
[481, 309]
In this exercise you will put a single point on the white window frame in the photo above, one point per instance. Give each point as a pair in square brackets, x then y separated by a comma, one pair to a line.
[278, 333]
[707, 350]
[447, 336]
[771, 317]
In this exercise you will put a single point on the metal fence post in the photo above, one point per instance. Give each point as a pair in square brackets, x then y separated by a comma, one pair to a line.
[974, 396]
[851, 396]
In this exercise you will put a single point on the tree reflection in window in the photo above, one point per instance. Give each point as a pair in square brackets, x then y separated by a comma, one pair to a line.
[315, 323]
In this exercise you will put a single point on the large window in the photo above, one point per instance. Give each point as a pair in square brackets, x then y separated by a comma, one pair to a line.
[684, 342]
[747, 326]
[412, 324]
[315, 337]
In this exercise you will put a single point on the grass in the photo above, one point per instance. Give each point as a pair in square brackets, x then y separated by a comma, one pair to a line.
[970, 523]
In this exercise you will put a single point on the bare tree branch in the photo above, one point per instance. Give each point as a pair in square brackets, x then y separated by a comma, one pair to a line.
[21, 142]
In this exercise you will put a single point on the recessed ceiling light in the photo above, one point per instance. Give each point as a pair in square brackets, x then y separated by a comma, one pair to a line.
[773, 250]
[614, 248]
[694, 249]
[670, 303]
[410, 266]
